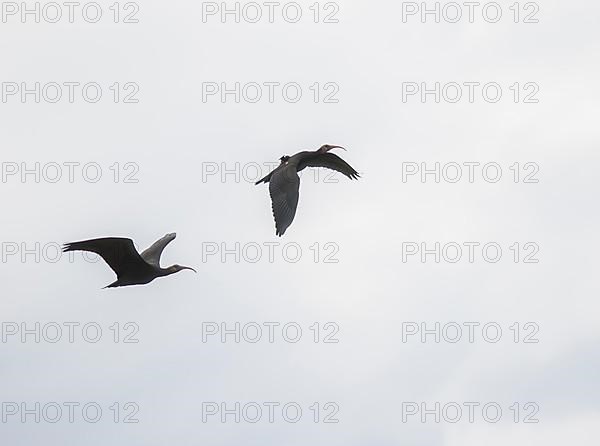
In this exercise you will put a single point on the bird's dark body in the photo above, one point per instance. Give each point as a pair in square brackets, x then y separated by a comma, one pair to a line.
[284, 182]
[140, 276]
[130, 267]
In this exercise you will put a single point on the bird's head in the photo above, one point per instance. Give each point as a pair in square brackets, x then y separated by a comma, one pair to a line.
[284, 159]
[327, 147]
[176, 268]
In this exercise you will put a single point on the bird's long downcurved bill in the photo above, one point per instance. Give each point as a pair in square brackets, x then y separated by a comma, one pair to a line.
[338, 147]
[191, 269]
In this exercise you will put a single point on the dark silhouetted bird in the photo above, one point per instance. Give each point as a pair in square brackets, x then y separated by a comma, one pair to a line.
[284, 182]
[131, 267]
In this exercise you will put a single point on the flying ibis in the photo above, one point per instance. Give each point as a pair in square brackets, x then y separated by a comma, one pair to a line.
[284, 182]
[131, 267]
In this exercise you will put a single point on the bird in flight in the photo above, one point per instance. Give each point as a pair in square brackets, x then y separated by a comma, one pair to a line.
[131, 267]
[284, 182]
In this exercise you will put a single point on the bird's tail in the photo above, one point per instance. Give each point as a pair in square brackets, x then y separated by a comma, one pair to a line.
[115, 284]
[76, 246]
[264, 180]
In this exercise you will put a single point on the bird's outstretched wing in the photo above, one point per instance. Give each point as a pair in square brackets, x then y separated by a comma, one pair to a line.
[284, 187]
[118, 253]
[152, 254]
[329, 161]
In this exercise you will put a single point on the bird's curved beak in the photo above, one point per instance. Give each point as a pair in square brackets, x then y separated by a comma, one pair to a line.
[337, 147]
[191, 269]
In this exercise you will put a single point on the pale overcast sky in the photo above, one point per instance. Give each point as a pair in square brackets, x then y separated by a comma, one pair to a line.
[165, 163]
